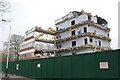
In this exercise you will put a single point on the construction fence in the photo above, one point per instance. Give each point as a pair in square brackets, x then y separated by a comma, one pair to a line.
[104, 64]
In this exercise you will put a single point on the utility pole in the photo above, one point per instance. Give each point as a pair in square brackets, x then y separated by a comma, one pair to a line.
[4, 9]
[8, 47]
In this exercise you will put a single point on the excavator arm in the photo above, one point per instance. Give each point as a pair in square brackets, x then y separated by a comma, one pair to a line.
[44, 33]
[40, 35]
[51, 29]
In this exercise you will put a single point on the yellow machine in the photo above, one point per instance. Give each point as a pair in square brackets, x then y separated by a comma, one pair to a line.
[51, 29]
[44, 33]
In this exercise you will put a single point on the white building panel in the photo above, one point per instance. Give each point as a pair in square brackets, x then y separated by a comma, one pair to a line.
[79, 42]
[25, 42]
[65, 34]
[67, 23]
[86, 50]
[104, 43]
[27, 45]
[27, 51]
[101, 32]
[81, 18]
[94, 19]
[66, 44]
[81, 29]
[81, 51]
[68, 33]
[98, 31]
[30, 34]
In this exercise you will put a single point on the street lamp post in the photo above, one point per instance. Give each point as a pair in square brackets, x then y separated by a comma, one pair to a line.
[6, 73]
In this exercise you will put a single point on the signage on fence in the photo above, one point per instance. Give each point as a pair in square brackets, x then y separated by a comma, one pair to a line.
[17, 66]
[38, 65]
[103, 65]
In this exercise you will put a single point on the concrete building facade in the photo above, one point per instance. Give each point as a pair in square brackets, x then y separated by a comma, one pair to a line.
[76, 33]
[34, 41]
[68, 26]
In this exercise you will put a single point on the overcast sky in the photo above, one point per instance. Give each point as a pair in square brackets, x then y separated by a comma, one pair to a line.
[43, 13]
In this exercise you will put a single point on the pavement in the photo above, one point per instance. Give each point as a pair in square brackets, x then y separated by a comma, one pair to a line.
[13, 77]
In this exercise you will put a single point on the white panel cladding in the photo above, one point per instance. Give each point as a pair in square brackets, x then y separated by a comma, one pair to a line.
[67, 23]
[89, 29]
[79, 42]
[30, 34]
[63, 25]
[68, 33]
[66, 44]
[27, 45]
[81, 18]
[25, 42]
[104, 43]
[42, 45]
[94, 19]
[28, 51]
[65, 34]
[81, 51]
[81, 29]
[98, 31]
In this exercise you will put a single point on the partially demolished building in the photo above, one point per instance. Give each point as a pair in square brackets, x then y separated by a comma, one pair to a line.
[81, 33]
[76, 33]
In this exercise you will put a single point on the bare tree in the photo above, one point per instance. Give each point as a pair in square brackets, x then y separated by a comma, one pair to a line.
[5, 7]
[15, 41]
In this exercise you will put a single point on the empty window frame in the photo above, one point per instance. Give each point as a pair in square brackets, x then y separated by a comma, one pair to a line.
[91, 40]
[73, 43]
[60, 28]
[99, 43]
[108, 34]
[73, 53]
[60, 45]
[88, 25]
[57, 28]
[73, 32]
[85, 29]
[57, 46]
[57, 37]
[73, 22]
[89, 18]
[85, 40]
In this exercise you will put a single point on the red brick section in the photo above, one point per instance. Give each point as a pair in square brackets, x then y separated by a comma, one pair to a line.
[29, 38]
[26, 49]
